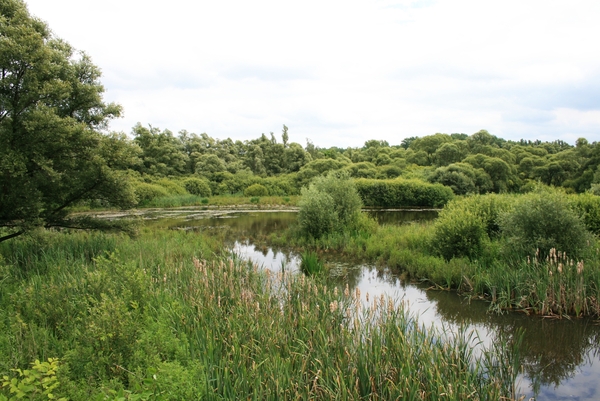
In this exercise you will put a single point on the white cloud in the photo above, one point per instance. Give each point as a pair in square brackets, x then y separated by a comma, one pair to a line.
[343, 72]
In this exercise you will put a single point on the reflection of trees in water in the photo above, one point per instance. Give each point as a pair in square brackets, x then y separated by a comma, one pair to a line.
[552, 349]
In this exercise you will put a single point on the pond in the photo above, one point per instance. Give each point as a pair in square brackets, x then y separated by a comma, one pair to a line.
[561, 357]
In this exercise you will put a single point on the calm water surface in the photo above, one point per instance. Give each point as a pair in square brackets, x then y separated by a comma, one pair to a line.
[561, 357]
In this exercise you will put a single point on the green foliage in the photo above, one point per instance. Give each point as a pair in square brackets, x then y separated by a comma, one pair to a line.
[37, 383]
[331, 203]
[145, 192]
[256, 190]
[463, 179]
[172, 187]
[162, 154]
[166, 326]
[52, 154]
[401, 193]
[316, 216]
[587, 206]
[310, 264]
[540, 221]
[458, 233]
[197, 186]
[467, 224]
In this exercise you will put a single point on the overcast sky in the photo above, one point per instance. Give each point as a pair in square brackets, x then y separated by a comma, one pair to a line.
[343, 72]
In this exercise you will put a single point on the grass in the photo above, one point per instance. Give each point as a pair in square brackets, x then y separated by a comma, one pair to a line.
[167, 316]
[310, 264]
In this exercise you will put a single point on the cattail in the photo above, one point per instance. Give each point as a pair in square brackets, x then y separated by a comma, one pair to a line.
[580, 267]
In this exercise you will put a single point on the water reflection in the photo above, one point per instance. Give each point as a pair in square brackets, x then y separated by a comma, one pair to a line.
[560, 357]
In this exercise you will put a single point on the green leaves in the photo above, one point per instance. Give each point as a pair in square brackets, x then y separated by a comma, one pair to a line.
[36, 383]
[52, 155]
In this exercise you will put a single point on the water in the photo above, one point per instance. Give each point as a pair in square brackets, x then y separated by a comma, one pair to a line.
[561, 358]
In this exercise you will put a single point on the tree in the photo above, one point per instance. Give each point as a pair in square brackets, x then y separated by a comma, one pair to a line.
[163, 154]
[52, 152]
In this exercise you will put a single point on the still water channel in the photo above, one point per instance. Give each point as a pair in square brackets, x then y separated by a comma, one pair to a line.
[561, 358]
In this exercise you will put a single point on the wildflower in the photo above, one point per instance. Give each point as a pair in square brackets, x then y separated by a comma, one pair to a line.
[333, 306]
[560, 267]
[347, 291]
[367, 297]
[335, 292]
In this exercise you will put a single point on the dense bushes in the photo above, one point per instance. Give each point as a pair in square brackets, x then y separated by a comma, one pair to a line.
[401, 193]
[256, 190]
[197, 186]
[145, 192]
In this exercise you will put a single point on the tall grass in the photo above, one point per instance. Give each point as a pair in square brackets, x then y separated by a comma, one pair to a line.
[310, 264]
[166, 316]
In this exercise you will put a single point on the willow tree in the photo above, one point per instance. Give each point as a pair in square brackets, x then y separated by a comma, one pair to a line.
[53, 149]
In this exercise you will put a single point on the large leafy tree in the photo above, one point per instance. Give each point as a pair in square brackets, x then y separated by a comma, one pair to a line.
[53, 153]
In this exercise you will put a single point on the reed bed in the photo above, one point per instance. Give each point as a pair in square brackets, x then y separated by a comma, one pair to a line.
[556, 285]
[165, 316]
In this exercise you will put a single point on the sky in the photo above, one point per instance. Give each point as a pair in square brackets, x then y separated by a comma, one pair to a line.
[340, 73]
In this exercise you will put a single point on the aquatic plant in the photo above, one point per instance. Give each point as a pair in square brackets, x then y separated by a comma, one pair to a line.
[310, 264]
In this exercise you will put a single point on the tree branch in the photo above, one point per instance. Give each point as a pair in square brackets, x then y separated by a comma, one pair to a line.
[9, 236]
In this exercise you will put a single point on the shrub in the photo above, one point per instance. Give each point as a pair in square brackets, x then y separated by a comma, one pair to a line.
[542, 220]
[197, 186]
[172, 187]
[316, 216]
[458, 232]
[256, 190]
[145, 192]
[330, 203]
[401, 193]
[587, 206]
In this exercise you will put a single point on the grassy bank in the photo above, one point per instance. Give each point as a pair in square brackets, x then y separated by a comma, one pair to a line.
[167, 317]
[536, 253]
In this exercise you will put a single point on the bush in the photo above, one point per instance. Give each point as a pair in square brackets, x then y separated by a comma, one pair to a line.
[316, 216]
[402, 193]
[145, 192]
[543, 220]
[458, 232]
[197, 186]
[329, 204]
[172, 187]
[256, 190]
[587, 206]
